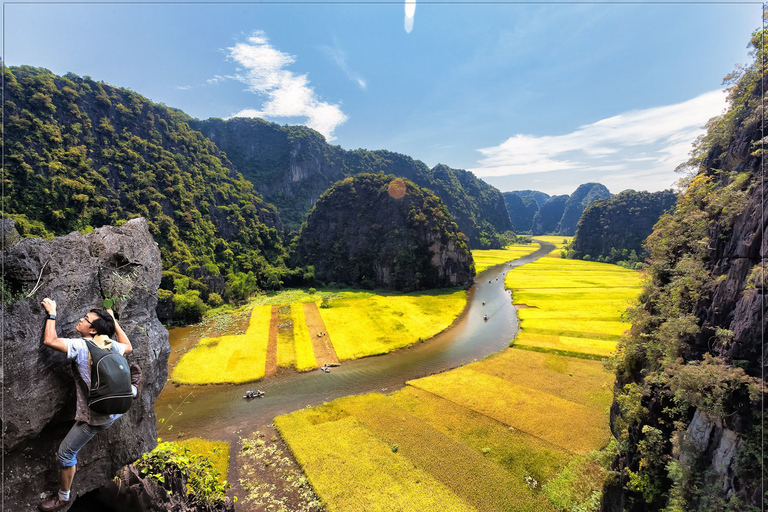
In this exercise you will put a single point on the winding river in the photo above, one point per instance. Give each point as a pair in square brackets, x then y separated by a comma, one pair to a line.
[219, 412]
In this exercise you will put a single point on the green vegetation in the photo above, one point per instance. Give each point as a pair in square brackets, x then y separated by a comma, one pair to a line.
[613, 230]
[572, 306]
[206, 485]
[81, 154]
[686, 350]
[492, 257]
[376, 230]
[265, 152]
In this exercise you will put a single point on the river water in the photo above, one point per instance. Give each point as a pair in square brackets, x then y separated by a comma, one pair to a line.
[219, 412]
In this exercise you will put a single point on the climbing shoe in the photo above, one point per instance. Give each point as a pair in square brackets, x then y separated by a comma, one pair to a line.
[54, 503]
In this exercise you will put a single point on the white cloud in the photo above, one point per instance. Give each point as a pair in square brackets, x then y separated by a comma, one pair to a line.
[288, 94]
[651, 142]
[410, 12]
[339, 57]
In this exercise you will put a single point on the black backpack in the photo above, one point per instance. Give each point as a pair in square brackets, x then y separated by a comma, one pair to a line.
[110, 381]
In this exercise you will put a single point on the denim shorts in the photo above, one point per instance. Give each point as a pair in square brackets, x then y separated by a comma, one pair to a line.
[78, 436]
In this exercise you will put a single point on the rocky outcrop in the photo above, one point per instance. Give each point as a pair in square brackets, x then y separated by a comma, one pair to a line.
[546, 220]
[582, 197]
[134, 492]
[692, 439]
[78, 272]
[521, 210]
[375, 230]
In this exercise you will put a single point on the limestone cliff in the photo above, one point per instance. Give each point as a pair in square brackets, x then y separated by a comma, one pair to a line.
[77, 271]
[291, 166]
[377, 230]
[689, 392]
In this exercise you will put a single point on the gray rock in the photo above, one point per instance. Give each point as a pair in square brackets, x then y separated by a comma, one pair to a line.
[724, 456]
[135, 493]
[77, 271]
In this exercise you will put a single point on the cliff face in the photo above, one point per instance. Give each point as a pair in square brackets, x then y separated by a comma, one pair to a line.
[77, 271]
[547, 218]
[291, 166]
[376, 230]
[582, 197]
[688, 398]
[610, 227]
[521, 210]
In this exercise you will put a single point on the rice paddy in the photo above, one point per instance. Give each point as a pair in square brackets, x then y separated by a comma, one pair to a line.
[485, 259]
[516, 431]
[228, 359]
[352, 324]
[361, 324]
[572, 306]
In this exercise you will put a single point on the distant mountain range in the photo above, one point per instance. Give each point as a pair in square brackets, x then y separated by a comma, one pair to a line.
[535, 212]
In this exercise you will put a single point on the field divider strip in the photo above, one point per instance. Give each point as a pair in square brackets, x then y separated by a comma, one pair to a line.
[321, 340]
[270, 365]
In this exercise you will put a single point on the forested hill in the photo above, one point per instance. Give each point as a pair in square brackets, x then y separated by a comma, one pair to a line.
[614, 230]
[80, 154]
[377, 230]
[291, 166]
[689, 396]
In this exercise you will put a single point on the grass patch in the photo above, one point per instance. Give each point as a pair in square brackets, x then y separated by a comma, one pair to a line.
[580, 485]
[352, 469]
[271, 480]
[215, 451]
[305, 355]
[363, 324]
[536, 412]
[228, 359]
[485, 259]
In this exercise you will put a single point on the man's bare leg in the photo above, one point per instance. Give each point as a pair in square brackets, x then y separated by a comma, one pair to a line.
[67, 475]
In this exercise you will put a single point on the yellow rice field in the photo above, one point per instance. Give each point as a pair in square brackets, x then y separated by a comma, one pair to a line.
[512, 421]
[305, 356]
[353, 470]
[358, 323]
[228, 359]
[559, 241]
[485, 259]
[364, 324]
[572, 306]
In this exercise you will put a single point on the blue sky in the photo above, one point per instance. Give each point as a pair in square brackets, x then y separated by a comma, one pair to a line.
[527, 96]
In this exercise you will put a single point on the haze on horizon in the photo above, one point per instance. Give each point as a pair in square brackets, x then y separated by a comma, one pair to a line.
[542, 97]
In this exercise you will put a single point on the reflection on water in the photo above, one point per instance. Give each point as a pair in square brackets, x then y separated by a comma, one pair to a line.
[220, 412]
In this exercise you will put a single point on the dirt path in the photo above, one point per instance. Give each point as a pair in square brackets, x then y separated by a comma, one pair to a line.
[322, 345]
[271, 366]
